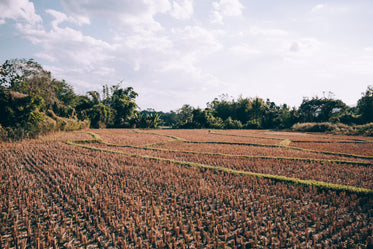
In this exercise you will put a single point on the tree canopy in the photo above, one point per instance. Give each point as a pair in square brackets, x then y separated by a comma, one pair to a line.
[32, 102]
[365, 106]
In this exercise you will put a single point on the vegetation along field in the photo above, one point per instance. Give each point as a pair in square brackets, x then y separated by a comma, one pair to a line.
[132, 188]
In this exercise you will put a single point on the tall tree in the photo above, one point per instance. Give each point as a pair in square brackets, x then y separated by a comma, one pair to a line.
[321, 110]
[365, 106]
[123, 104]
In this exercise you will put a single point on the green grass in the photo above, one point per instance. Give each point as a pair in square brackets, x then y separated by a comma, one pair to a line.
[146, 147]
[339, 140]
[265, 145]
[287, 147]
[234, 135]
[164, 135]
[285, 142]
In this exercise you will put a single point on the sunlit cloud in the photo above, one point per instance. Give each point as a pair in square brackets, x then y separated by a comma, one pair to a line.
[183, 9]
[22, 10]
[192, 51]
[225, 8]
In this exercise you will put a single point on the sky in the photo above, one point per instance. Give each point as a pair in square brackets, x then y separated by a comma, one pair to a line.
[176, 52]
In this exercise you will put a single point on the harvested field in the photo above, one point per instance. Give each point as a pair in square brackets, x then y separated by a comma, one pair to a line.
[186, 189]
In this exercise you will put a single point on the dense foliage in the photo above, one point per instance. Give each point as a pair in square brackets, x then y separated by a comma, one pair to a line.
[32, 102]
[255, 113]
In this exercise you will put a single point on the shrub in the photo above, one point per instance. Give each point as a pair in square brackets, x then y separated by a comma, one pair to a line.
[253, 124]
[323, 127]
[64, 124]
[365, 130]
[314, 127]
[230, 123]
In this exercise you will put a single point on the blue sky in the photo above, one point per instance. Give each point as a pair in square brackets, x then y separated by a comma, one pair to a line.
[176, 52]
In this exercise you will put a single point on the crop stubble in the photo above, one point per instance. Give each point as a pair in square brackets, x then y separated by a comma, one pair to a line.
[57, 195]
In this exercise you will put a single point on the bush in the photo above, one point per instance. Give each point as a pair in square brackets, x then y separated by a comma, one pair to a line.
[3, 133]
[230, 123]
[12, 134]
[252, 124]
[365, 130]
[314, 127]
[64, 124]
[187, 125]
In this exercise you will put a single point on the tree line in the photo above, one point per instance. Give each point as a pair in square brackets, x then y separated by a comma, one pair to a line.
[257, 113]
[33, 102]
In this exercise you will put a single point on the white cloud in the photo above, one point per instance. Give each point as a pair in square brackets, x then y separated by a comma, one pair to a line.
[167, 50]
[145, 41]
[18, 9]
[245, 50]
[131, 15]
[78, 52]
[137, 66]
[225, 8]
[196, 39]
[330, 9]
[254, 30]
[358, 62]
[182, 9]
[60, 17]
[305, 46]
[228, 7]
[216, 18]
[368, 49]
[317, 7]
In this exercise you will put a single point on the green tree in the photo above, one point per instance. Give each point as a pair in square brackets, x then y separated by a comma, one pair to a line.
[243, 109]
[221, 107]
[83, 104]
[365, 106]
[65, 93]
[184, 115]
[229, 123]
[322, 110]
[15, 73]
[27, 76]
[145, 120]
[99, 115]
[94, 97]
[21, 111]
[123, 104]
[119, 104]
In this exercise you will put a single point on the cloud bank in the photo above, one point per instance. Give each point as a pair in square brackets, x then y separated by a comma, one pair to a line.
[176, 52]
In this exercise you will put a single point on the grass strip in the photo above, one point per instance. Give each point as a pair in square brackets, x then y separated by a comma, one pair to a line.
[296, 181]
[231, 155]
[285, 142]
[95, 136]
[331, 142]
[164, 135]
[176, 139]
[263, 145]
[286, 147]
[235, 135]
[342, 140]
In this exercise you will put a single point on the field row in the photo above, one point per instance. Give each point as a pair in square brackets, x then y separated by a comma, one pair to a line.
[332, 171]
[55, 195]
